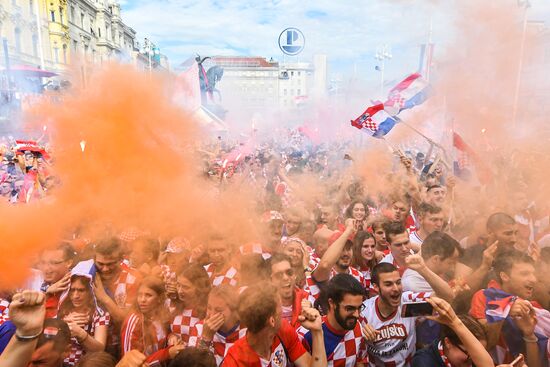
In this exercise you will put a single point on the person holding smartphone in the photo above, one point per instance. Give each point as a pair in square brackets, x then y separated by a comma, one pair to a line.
[462, 340]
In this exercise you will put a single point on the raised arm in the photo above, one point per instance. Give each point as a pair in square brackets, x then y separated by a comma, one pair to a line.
[27, 312]
[447, 316]
[441, 287]
[332, 254]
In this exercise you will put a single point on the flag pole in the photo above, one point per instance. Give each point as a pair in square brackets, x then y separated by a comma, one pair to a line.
[431, 141]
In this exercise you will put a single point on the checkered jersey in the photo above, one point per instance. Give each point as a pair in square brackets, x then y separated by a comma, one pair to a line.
[343, 349]
[4, 311]
[131, 234]
[183, 324]
[255, 248]
[100, 318]
[220, 342]
[230, 276]
[366, 272]
[126, 287]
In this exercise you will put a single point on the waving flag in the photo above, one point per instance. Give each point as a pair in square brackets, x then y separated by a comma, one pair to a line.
[498, 305]
[375, 121]
[466, 155]
[410, 92]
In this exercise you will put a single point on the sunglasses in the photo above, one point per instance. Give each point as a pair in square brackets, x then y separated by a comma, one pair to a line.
[279, 275]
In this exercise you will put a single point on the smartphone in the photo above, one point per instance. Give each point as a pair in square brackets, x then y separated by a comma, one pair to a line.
[417, 309]
[518, 362]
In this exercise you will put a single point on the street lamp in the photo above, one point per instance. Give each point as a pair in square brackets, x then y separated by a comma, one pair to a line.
[382, 54]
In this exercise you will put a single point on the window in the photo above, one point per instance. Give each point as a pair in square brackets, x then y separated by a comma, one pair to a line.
[99, 32]
[35, 45]
[299, 73]
[292, 92]
[82, 20]
[52, 15]
[61, 15]
[291, 73]
[17, 39]
[72, 14]
[31, 7]
[284, 92]
[64, 54]
[56, 54]
[75, 45]
[299, 92]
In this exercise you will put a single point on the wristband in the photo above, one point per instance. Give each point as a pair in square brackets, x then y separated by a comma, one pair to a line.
[205, 344]
[27, 338]
[533, 339]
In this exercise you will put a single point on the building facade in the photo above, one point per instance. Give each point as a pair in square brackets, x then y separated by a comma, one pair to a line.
[250, 82]
[256, 83]
[24, 28]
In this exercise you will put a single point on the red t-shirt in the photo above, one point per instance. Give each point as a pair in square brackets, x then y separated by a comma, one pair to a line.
[285, 348]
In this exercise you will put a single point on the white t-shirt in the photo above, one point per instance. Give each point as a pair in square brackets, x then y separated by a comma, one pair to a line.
[415, 239]
[414, 282]
[395, 345]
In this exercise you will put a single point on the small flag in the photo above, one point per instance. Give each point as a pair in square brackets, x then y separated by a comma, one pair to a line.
[375, 121]
[410, 92]
[467, 155]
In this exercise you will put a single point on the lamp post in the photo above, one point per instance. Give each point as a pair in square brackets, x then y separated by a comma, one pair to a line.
[382, 54]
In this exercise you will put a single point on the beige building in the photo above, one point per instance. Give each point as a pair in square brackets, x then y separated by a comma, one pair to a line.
[24, 26]
[249, 82]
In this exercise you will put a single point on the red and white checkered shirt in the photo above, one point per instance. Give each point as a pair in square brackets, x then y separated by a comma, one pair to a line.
[4, 311]
[220, 342]
[255, 248]
[100, 318]
[230, 276]
[184, 323]
[126, 287]
[343, 348]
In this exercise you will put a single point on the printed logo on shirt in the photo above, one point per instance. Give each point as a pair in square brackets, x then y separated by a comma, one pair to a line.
[392, 331]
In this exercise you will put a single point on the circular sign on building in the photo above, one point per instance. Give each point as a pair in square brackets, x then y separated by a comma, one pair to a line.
[292, 41]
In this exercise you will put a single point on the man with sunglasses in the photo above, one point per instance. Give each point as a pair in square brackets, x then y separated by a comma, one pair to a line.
[283, 278]
[345, 345]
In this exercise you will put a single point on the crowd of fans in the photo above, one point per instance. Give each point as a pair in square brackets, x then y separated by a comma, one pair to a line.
[400, 278]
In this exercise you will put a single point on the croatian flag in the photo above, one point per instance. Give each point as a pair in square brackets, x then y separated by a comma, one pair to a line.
[375, 121]
[410, 92]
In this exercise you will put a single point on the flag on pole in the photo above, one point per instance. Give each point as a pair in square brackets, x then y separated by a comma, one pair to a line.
[410, 92]
[375, 121]
[466, 155]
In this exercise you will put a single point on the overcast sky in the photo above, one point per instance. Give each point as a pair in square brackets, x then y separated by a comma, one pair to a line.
[347, 32]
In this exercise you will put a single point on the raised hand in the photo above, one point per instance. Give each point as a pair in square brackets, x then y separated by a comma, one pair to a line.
[27, 312]
[311, 319]
[445, 313]
[489, 255]
[61, 285]
[415, 262]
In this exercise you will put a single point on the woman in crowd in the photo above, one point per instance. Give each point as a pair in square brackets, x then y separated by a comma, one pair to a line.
[146, 328]
[295, 249]
[359, 211]
[364, 254]
[193, 285]
[221, 325]
[87, 321]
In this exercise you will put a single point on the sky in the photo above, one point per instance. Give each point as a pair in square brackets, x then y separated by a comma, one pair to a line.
[349, 32]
